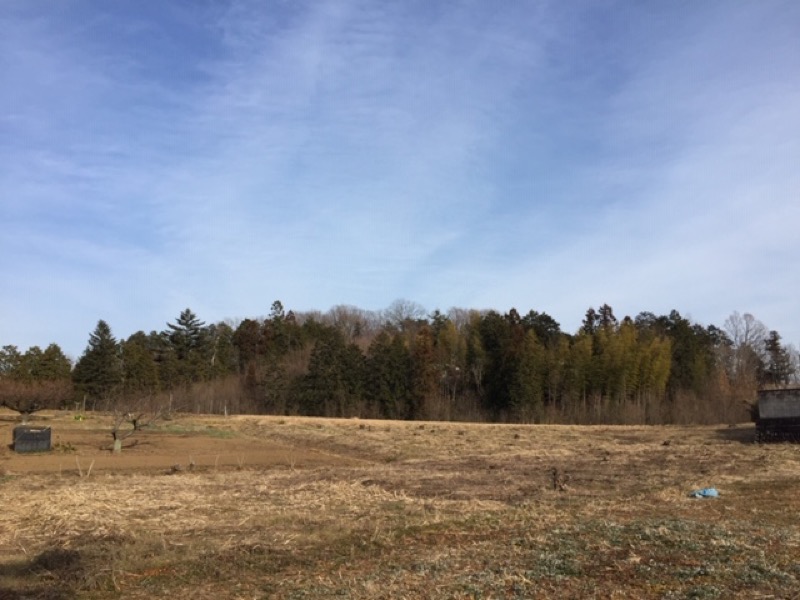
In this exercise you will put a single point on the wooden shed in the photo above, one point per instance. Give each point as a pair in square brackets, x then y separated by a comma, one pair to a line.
[778, 415]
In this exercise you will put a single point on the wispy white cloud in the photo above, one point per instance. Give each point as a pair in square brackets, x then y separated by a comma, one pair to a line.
[536, 155]
[695, 197]
[357, 137]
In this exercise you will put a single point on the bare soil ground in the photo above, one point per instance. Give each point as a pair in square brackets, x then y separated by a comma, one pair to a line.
[272, 507]
[202, 442]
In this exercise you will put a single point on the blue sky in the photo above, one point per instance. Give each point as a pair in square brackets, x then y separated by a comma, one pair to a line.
[541, 155]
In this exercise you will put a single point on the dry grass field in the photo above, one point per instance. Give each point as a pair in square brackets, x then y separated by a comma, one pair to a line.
[256, 507]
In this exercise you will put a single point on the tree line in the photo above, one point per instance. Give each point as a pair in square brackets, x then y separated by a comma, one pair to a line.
[403, 363]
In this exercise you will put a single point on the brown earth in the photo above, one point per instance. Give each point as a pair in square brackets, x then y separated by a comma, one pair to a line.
[207, 443]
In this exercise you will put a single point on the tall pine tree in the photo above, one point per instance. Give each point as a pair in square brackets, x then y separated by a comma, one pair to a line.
[98, 373]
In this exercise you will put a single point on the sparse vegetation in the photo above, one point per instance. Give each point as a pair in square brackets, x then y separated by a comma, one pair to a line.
[303, 508]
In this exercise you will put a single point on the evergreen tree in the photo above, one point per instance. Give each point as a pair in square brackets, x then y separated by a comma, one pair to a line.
[424, 377]
[547, 329]
[193, 347]
[438, 321]
[388, 376]
[605, 317]
[556, 372]
[187, 334]
[10, 362]
[590, 321]
[334, 384]
[273, 388]
[56, 364]
[779, 368]
[275, 332]
[170, 374]
[693, 354]
[526, 390]
[249, 343]
[29, 365]
[139, 367]
[50, 365]
[497, 337]
[98, 373]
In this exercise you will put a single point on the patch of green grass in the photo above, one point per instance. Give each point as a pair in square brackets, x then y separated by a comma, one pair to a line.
[63, 447]
[207, 430]
[224, 434]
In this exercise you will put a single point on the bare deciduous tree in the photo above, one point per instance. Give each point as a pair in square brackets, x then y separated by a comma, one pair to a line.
[401, 312]
[745, 330]
[27, 397]
[747, 335]
[134, 417]
[352, 321]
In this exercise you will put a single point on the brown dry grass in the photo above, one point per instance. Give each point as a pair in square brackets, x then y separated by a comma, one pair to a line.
[376, 509]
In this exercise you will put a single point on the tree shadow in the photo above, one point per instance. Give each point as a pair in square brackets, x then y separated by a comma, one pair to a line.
[32, 580]
[741, 434]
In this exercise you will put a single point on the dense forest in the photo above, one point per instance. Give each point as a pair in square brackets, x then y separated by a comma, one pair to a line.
[402, 363]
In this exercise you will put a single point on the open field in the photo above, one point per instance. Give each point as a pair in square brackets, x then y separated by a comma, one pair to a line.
[280, 507]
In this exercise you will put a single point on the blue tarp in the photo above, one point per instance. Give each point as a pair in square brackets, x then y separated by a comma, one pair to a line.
[705, 493]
